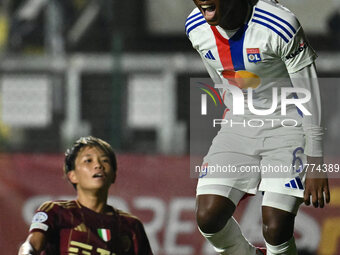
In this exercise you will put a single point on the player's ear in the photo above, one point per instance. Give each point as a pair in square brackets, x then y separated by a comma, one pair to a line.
[72, 177]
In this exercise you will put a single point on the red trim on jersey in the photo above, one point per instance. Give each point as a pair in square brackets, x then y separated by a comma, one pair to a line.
[223, 48]
[224, 53]
[225, 113]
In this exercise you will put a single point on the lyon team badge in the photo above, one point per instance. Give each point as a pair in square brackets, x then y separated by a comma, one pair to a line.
[254, 55]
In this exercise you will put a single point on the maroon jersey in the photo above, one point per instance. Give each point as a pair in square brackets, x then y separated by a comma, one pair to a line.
[73, 229]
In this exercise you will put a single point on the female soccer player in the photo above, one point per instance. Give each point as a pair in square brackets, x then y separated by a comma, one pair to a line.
[87, 225]
[256, 49]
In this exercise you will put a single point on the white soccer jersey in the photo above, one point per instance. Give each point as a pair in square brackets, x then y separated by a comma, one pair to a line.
[268, 49]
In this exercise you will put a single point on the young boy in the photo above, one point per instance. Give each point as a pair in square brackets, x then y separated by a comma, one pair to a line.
[87, 225]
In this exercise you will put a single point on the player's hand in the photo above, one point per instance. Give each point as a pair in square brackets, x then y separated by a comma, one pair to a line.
[316, 185]
[34, 244]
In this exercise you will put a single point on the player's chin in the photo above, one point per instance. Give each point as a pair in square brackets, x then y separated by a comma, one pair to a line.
[213, 22]
[99, 185]
[100, 189]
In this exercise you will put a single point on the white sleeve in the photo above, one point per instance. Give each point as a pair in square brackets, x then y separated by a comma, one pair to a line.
[307, 78]
[298, 53]
[212, 72]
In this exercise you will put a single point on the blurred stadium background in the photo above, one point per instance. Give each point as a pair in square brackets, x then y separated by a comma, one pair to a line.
[121, 70]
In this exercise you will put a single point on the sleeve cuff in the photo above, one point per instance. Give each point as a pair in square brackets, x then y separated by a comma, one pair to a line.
[313, 146]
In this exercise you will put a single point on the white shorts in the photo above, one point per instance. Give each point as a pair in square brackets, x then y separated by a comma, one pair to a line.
[273, 164]
[283, 202]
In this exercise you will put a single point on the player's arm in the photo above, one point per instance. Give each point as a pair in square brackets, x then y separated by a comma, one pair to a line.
[33, 245]
[41, 229]
[299, 59]
[316, 185]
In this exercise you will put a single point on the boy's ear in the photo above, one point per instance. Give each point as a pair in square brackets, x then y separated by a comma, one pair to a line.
[72, 177]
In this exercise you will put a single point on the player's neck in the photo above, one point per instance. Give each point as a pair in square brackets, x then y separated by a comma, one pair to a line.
[238, 18]
[94, 202]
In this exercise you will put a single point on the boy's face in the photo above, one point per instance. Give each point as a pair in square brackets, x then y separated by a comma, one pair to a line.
[93, 170]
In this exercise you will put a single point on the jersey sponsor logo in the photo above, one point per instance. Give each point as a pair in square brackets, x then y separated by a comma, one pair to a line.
[40, 217]
[254, 55]
[83, 248]
[301, 48]
[295, 184]
[105, 234]
[242, 79]
[209, 55]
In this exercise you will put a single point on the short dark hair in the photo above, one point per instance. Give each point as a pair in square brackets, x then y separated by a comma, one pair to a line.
[88, 141]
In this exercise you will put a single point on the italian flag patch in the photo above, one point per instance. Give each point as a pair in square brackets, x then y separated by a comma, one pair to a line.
[105, 234]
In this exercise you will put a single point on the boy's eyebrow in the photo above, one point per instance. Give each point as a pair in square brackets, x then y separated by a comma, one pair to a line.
[89, 154]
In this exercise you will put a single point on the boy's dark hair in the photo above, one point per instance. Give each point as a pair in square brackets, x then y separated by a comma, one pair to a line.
[90, 141]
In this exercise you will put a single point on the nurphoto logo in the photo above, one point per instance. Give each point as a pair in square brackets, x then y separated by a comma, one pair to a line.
[281, 99]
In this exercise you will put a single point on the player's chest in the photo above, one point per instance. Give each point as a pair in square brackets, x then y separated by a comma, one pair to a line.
[88, 236]
[241, 52]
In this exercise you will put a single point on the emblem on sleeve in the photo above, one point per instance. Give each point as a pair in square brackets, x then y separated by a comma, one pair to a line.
[302, 47]
[254, 55]
[39, 217]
